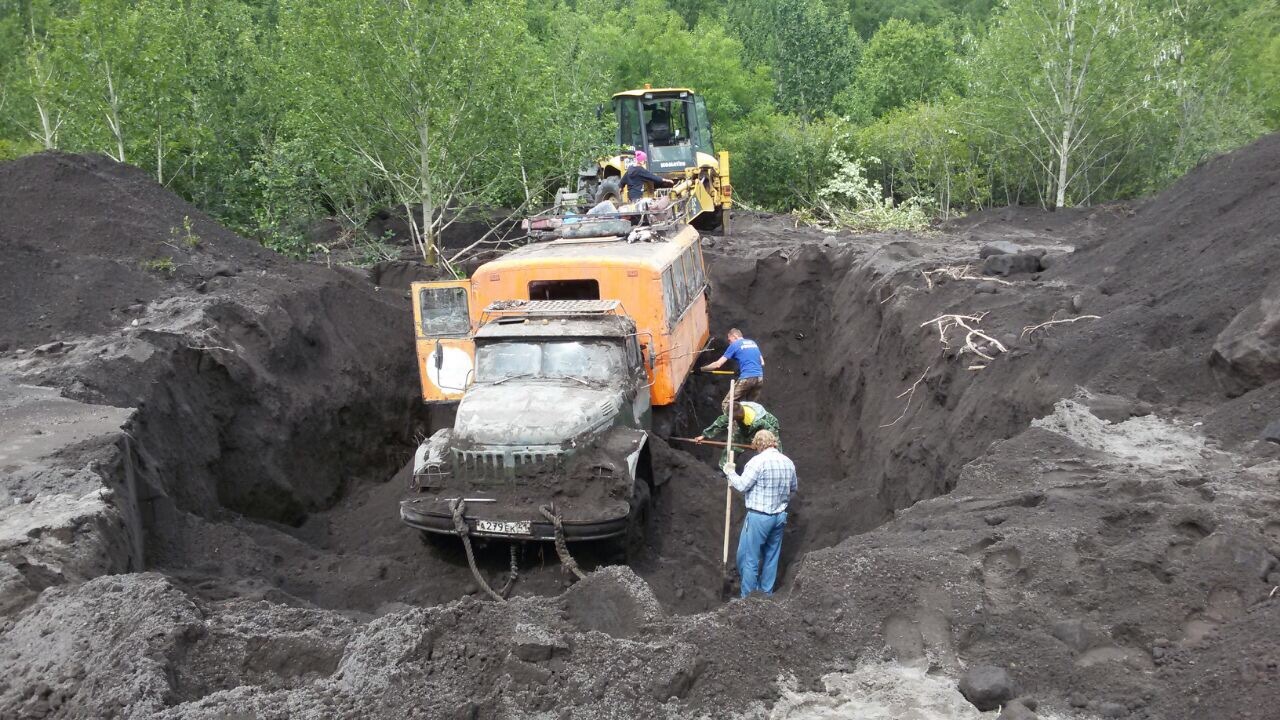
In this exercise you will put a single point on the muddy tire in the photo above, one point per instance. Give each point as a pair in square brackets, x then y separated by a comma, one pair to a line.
[610, 189]
[629, 546]
[587, 187]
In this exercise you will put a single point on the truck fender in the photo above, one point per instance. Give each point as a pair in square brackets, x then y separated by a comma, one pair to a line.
[639, 439]
[434, 450]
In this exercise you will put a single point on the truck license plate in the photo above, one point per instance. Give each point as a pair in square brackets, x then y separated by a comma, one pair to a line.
[504, 528]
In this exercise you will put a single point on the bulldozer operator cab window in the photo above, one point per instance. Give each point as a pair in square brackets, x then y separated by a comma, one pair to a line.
[630, 124]
[589, 360]
[665, 122]
[444, 311]
[564, 290]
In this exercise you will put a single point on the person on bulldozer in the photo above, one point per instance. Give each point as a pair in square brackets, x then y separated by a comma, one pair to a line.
[751, 418]
[637, 175]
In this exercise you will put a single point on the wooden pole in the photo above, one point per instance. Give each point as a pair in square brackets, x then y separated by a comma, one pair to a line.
[728, 487]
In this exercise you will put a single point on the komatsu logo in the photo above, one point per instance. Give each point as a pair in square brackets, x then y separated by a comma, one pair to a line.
[671, 164]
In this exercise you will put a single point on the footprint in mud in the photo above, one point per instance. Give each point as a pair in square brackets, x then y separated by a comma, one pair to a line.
[1002, 568]
[905, 641]
[1187, 533]
[921, 641]
[1125, 525]
[1271, 536]
[1222, 606]
[1002, 572]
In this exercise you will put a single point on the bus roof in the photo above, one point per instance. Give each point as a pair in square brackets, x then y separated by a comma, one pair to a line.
[596, 251]
[654, 91]
[563, 327]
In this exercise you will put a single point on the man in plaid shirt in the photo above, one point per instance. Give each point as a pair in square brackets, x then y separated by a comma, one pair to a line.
[767, 484]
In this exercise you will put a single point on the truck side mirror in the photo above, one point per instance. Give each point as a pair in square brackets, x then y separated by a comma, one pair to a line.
[599, 111]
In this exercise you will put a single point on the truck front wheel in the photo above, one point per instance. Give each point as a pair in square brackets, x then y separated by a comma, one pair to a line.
[630, 545]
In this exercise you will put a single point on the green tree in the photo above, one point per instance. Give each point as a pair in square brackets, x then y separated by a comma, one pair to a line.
[811, 51]
[411, 102]
[928, 151]
[868, 15]
[1064, 84]
[903, 63]
[1254, 64]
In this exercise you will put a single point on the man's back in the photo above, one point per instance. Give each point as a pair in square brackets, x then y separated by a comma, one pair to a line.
[634, 179]
[747, 353]
[768, 481]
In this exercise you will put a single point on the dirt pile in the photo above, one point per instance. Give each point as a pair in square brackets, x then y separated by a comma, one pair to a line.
[88, 243]
[233, 383]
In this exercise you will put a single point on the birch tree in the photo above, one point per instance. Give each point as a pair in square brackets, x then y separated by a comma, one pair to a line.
[1061, 81]
[43, 90]
[417, 95]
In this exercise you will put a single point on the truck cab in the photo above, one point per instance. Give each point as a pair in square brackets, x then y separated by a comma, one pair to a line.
[556, 416]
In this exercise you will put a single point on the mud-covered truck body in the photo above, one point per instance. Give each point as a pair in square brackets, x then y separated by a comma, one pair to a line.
[559, 354]
[556, 416]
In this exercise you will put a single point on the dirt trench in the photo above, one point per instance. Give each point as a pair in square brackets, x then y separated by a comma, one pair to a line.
[1084, 508]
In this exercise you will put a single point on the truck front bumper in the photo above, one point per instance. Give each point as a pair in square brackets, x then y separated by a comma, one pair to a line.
[433, 517]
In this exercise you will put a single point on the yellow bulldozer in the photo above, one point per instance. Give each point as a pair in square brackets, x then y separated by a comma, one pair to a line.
[672, 127]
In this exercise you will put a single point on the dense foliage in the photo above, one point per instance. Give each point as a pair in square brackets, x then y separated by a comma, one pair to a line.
[271, 113]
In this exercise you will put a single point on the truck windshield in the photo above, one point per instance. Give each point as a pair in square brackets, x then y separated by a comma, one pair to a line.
[590, 360]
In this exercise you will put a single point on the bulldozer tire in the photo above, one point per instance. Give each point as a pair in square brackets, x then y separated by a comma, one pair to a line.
[706, 222]
[587, 187]
[610, 189]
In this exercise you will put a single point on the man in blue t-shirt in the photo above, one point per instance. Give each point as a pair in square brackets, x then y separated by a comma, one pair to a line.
[750, 367]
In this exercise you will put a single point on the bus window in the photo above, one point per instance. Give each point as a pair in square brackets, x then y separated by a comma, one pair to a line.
[682, 283]
[444, 311]
[698, 272]
[669, 295]
[690, 275]
[564, 290]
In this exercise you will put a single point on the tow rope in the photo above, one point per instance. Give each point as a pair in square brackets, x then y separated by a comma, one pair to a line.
[562, 549]
[458, 507]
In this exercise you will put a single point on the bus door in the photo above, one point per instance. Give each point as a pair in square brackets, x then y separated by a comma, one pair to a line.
[445, 338]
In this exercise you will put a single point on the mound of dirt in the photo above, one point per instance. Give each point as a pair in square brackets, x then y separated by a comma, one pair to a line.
[235, 384]
[1171, 277]
[87, 242]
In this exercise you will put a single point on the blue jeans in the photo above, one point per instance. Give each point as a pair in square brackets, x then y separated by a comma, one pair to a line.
[759, 545]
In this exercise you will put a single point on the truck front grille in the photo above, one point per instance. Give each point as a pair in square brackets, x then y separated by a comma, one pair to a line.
[502, 466]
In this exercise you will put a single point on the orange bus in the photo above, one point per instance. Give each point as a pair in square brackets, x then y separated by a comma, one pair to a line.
[661, 284]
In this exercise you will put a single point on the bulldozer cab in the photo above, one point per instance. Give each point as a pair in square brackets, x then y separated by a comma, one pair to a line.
[444, 328]
[671, 126]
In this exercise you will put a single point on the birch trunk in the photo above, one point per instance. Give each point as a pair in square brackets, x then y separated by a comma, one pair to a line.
[424, 179]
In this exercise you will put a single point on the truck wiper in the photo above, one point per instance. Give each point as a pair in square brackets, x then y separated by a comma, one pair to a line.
[511, 377]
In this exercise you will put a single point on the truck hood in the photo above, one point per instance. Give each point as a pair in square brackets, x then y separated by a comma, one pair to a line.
[533, 413]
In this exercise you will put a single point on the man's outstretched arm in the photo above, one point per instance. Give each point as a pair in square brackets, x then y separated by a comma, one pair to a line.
[746, 480]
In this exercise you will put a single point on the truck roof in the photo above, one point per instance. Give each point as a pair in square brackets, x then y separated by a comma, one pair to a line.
[596, 251]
